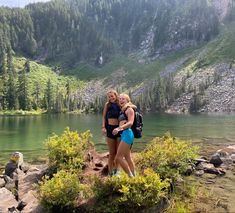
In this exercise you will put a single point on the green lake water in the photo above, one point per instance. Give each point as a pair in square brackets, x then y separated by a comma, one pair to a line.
[27, 134]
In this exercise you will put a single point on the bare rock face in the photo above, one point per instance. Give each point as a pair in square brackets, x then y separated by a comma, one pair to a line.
[221, 7]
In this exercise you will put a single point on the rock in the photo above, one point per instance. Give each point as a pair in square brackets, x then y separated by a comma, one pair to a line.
[199, 173]
[12, 209]
[10, 183]
[99, 164]
[7, 200]
[188, 171]
[10, 168]
[105, 170]
[204, 166]
[16, 161]
[2, 182]
[21, 205]
[199, 160]
[216, 160]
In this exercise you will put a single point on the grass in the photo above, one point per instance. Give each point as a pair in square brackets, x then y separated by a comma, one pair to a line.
[22, 112]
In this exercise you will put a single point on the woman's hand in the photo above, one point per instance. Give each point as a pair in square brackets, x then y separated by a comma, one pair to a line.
[115, 131]
[103, 131]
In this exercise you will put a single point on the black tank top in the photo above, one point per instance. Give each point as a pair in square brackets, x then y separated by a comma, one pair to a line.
[113, 111]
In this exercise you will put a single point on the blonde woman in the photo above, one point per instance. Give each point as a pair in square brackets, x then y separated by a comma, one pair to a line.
[126, 120]
[109, 123]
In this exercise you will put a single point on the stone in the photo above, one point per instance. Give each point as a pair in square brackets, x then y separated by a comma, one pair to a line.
[199, 173]
[10, 168]
[12, 209]
[2, 182]
[216, 160]
[7, 200]
[199, 160]
[204, 166]
[105, 170]
[188, 171]
[21, 205]
[99, 164]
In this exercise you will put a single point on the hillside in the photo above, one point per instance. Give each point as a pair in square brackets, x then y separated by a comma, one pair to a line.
[175, 56]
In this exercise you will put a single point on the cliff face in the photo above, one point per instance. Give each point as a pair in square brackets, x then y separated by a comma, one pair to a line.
[222, 7]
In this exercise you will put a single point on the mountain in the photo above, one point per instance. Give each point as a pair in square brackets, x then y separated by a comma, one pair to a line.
[18, 3]
[151, 49]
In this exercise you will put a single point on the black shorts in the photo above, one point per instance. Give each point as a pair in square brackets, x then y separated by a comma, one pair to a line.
[109, 129]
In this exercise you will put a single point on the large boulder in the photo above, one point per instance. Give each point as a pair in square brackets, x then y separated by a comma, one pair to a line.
[7, 200]
[16, 162]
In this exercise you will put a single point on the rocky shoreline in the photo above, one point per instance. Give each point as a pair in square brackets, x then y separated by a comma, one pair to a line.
[17, 193]
[213, 86]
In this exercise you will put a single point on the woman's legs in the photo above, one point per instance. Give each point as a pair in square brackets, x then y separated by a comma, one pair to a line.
[130, 162]
[122, 151]
[112, 152]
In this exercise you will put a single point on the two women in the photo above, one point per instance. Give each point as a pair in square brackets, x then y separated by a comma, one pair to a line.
[118, 122]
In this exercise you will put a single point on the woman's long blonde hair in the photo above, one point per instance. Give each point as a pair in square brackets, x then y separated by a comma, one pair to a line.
[115, 93]
[129, 103]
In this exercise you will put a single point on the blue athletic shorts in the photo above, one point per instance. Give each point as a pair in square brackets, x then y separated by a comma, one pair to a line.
[127, 136]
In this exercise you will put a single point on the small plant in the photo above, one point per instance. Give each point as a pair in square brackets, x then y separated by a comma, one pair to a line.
[126, 194]
[59, 192]
[167, 156]
[69, 151]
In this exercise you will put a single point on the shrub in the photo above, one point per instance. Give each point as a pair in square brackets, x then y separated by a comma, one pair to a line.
[167, 156]
[59, 192]
[68, 151]
[126, 194]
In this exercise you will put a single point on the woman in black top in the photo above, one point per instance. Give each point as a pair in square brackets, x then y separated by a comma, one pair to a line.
[109, 123]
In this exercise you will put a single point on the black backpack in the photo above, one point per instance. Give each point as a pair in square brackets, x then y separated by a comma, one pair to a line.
[137, 126]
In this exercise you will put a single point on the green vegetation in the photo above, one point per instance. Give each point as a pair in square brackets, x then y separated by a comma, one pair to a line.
[126, 194]
[168, 156]
[29, 86]
[159, 165]
[67, 154]
[220, 49]
[69, 151]
[59, 192]
[114, 27]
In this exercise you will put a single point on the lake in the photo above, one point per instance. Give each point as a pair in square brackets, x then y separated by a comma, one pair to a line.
[27, 134]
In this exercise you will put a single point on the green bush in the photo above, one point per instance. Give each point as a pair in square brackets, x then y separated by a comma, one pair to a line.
[124, 194]
[59, 192]
[167, 156]
[69, 151]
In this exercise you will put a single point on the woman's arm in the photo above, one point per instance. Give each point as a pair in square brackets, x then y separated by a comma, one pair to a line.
[104, 118]
[131, 116]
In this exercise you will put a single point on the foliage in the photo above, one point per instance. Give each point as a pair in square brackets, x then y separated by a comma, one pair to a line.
[69, 151]
[60, 191]
[124, 194]
[168, 156]
[37, 87]
[68, 39]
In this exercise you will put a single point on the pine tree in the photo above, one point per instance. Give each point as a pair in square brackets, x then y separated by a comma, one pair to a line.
[59, 101]
[68, 95]
[36, 95]
[23, 89]
[11, 95]
[49, 96]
